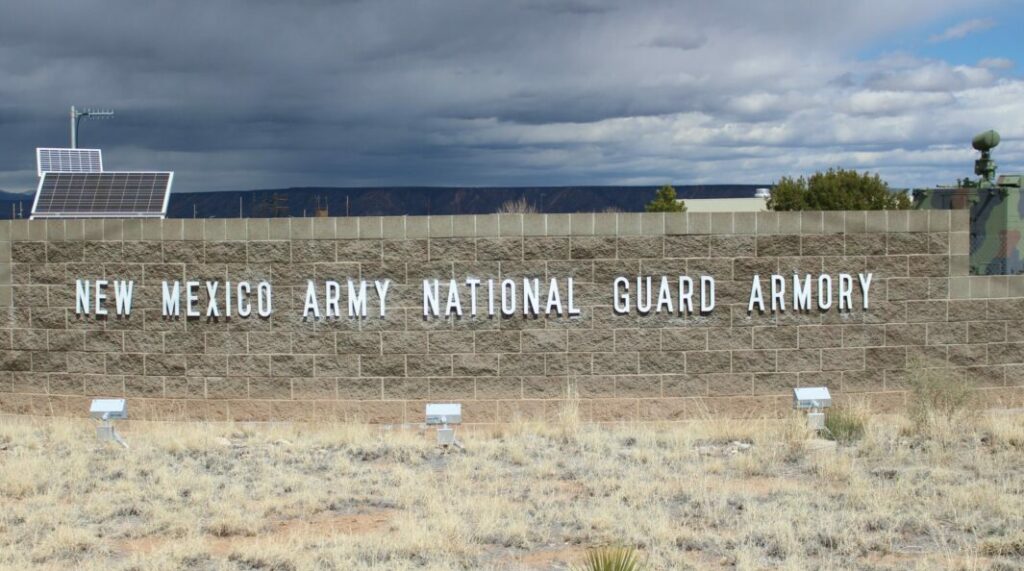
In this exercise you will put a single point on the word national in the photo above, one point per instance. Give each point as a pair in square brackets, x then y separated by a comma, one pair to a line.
[472, 296]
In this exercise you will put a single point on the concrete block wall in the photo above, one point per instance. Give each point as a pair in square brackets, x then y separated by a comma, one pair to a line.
[926, 316]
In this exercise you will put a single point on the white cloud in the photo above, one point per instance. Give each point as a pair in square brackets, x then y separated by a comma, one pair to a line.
[931, 76]
[894, 102]
[963, 29]
[996, 63]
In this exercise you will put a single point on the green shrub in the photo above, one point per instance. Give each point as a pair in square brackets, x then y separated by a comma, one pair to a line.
[611, 559]
[836, 189]
[844, 424]
[665, 201]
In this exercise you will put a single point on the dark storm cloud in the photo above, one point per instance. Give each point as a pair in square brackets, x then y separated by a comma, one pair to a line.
[243, 94]
[679, 42]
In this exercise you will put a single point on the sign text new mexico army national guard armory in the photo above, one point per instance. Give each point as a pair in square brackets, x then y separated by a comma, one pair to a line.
[480, 297]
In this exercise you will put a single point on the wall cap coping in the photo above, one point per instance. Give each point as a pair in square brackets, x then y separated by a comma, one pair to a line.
[490, 226]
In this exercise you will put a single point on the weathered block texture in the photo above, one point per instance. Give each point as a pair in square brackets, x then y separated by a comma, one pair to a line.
[926, 316]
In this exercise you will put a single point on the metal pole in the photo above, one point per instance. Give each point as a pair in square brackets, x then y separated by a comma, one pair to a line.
[74, 125]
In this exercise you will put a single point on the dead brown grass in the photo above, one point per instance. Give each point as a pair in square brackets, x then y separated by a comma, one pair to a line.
[708, 494]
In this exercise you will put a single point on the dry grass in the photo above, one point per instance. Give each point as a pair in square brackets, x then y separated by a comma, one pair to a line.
[709, 494]
[517, 206]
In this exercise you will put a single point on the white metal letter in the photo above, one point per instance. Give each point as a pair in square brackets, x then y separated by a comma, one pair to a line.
[643, 294]
[621, 300]
[191, 297]
[244, 308]
[756, 295]
[264, 299]
[311, 305]
[123, 290]
[508, 297]
[865, 285]
[357, 299]
[664, 296]
[171, 305]
[332, 295]
[554, 299]
[573, 310]
[531, 296]
[824, 291]
[707, 294]
[82, 298]
[382, 294]
[454, 303]
[508, 294]
[473, 283]
[211, 304]
[490, 298]
[101, 297]
[802, 293]
[845, 292]
[685, 294]
[778, 293]
[431, 306]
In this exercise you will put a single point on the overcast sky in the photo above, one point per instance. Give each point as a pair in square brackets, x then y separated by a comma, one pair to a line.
[262, 94]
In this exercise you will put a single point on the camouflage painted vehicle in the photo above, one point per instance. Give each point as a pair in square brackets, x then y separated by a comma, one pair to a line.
[997, 211]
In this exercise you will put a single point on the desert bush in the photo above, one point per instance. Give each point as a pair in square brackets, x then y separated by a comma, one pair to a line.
[836, 468]
[938, 397]
[518, 206]
[792, 435]
[1003, 546]
[845, 424]
[569, 421]
[611, 559]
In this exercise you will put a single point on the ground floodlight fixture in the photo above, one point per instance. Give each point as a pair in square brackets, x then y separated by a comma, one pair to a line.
[442, 415]
[106, 411]
[813, 400]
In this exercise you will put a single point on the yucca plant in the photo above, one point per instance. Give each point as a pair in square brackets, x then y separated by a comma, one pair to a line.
[611, 559]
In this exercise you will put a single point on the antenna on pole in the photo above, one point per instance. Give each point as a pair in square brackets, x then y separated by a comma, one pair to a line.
[77, 116]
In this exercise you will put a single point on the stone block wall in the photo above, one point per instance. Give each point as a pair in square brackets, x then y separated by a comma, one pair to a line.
[925, 316]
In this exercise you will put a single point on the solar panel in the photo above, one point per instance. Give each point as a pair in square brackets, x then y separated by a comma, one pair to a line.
[103, 195]
[69, 160]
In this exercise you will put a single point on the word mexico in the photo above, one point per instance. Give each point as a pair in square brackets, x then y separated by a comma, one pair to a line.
[478, 297]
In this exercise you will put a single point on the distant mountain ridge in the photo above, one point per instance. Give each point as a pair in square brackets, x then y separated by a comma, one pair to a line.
[13, 204]
[411, 201]
[8, 195]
